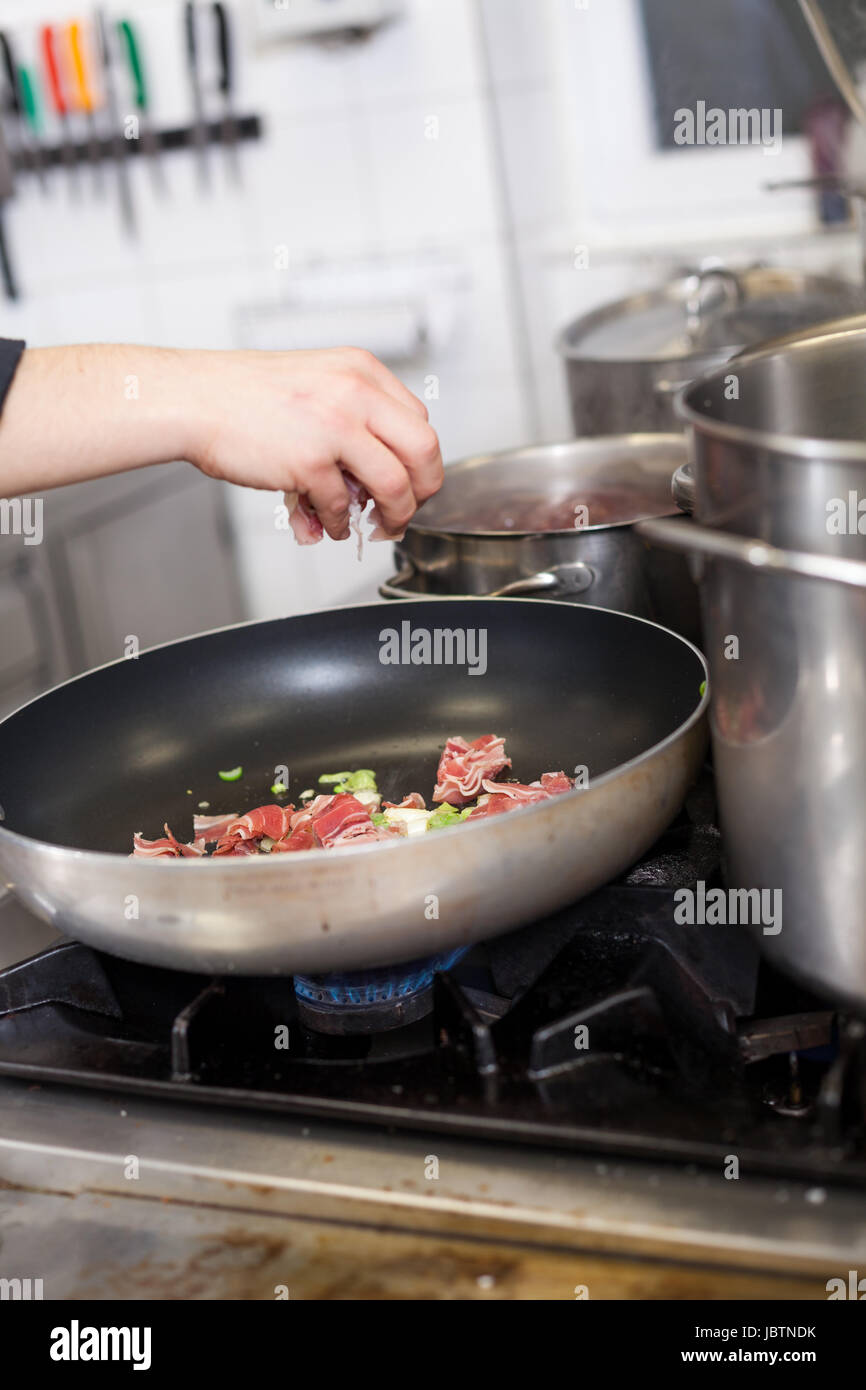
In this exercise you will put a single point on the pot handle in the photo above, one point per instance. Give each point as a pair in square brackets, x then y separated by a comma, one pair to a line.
[749, 551]
[670, 388]
[573, 577]
[392, 588]
[683, 488]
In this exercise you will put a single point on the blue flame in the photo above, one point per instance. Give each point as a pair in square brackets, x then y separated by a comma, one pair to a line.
[360, 987]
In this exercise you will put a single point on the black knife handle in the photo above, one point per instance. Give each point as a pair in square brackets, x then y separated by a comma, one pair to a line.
[8, 61]
[224, 48]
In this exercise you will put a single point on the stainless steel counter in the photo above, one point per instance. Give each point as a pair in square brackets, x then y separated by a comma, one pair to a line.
[109, 1197]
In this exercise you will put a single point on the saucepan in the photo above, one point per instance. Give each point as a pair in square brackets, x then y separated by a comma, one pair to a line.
[554, 520]
[779, 492]
[627, 361]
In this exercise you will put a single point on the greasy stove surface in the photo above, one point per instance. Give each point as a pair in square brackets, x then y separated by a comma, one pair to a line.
[605, 1028]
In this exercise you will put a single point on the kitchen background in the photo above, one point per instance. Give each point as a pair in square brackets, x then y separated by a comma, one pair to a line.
[447, 182]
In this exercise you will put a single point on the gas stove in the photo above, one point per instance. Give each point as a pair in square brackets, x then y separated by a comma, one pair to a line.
[605, 1028]
[607, 1032]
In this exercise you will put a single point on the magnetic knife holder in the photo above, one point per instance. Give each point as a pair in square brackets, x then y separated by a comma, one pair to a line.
[224, 131]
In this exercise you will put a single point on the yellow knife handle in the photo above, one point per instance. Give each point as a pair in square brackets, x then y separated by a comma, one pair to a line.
[84, 91]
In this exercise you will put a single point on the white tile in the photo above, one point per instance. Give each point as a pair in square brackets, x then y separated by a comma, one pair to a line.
[115, 313]
[438, 190]
[299, 79]
[479, 416]
[189, 225]
[308, 191]
[518, 38]
[431, 50]
[529, 125]
[197, 310]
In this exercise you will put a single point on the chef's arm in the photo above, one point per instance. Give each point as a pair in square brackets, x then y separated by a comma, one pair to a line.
[283, 421]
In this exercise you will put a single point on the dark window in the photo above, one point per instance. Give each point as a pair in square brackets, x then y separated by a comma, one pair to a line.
[743, 53]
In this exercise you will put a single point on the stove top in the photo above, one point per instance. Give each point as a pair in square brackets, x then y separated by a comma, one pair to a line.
[606, 1028]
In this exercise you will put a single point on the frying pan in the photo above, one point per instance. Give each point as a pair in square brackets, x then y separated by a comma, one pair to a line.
[141, 741]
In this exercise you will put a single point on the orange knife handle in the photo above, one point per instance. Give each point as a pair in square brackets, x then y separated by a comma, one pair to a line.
[79, 67]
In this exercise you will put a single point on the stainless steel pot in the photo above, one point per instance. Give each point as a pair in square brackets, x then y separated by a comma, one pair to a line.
[459, 543]
[779, 464]
[627, 361]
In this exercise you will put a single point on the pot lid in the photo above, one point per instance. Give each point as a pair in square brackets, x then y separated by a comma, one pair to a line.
[709, 313]
[584, 484]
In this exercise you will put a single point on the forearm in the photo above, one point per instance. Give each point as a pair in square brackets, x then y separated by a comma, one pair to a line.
[293, 422]
[86, 411]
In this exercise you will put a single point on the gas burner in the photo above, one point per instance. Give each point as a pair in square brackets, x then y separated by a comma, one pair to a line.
[371, 1001]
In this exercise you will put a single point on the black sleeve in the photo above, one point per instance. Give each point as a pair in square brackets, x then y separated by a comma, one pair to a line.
[10, 355]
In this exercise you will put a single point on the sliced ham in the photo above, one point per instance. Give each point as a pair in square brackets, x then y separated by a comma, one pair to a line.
[271, 821]
[299, 839]
[306, 526]
[414, 801]
[304, 817]
[507, 796]
[167, 848]
[307, 529]
[335, 822]
[207, 830]
[464, 766]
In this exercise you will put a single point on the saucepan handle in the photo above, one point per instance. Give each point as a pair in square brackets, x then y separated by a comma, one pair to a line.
[572, 577]
[665, 387]
[568, 579]
[751, 552]
[683, 488]
[393, 587]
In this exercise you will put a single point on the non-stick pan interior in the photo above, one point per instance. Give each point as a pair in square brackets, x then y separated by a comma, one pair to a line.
[142, 741]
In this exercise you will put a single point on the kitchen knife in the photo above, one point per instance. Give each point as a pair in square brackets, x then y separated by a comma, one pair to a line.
[229, 128]
[199, 132]
[32, 116]
[140, 96]
[12, 106]
[85, 97]
[7, 184]
[118, 142]
[54, 86]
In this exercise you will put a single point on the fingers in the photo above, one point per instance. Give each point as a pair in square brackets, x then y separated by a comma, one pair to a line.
[329, 497]
[412, 439]
[379, 375]
[384, 477]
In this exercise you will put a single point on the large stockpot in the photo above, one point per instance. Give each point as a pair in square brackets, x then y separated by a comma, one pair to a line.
[460, 544]
[627, 361]
[780, 464]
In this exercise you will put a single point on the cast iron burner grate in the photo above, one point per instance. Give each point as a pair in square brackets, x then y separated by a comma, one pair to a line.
[607, 1027]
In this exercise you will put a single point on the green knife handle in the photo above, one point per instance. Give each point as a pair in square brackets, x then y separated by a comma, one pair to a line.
[133, 54]
[29, 100]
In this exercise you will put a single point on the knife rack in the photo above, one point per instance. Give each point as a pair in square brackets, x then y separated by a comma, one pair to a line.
[225, 132]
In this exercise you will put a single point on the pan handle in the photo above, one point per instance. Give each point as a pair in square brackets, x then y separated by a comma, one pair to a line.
[559, 581]
[749, 551]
